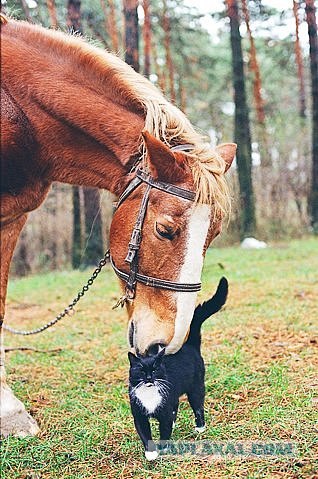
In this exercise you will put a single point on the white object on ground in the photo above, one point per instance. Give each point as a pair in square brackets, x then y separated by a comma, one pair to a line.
[253, 243]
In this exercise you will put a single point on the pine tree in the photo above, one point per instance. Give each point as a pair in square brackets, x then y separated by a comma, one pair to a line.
[131, 33]
[299, 60]
[313, 45]
[111, 23]
[147, 37]
[52, 12]
[93, 219]
[167, 41]
[242, 126]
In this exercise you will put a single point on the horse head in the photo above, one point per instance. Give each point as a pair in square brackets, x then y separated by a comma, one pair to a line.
[174, 237]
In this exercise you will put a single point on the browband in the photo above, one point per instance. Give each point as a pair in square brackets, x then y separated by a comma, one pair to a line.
[166, 187]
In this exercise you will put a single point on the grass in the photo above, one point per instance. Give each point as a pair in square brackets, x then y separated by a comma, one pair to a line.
[261, 360]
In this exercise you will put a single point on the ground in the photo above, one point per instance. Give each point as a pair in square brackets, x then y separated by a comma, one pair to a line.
[261, 361]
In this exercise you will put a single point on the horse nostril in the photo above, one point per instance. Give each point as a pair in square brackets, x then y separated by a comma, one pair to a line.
[155, 348]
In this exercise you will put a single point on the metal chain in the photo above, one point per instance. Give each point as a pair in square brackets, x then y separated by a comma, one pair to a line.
[69, 310]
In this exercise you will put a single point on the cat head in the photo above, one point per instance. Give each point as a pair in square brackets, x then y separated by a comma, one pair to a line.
[146, 370]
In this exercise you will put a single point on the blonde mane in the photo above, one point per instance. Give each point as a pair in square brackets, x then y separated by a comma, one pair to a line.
[162, 119]
[167, 123]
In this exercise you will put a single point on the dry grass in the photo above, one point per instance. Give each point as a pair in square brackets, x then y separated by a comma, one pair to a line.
[261, 358]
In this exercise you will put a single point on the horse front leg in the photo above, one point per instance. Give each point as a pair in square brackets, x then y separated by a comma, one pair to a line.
[14, 418]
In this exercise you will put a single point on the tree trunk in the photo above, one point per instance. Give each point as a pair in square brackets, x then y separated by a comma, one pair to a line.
[26, 10]
[313, 43]
[93, 227]
[257, 83]
[159, 70]
[111, 23]
[77, 228]
[167, 41]
[93, 220]
[242, 127]
[91, 23]
[74, 23]
[257, 94]
[131, 33]
[21, 257]
[52, 12]
[74, 15]
[147, 38]
[182, 95]
[300, 65]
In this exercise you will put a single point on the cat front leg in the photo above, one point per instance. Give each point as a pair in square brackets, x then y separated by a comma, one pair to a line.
[143, 429]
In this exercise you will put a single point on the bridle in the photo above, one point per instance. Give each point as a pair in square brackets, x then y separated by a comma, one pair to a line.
[134, 276]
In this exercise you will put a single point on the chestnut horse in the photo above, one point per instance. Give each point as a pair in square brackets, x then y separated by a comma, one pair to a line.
[76, 114]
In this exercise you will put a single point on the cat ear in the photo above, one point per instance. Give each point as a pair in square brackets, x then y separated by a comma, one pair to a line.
[132, 359]
[161, 353]
[159, 356]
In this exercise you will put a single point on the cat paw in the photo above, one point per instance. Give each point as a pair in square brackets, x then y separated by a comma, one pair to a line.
[199, 429]
[151, 455]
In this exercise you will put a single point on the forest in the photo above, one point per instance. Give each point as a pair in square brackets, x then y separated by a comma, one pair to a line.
[241, 70]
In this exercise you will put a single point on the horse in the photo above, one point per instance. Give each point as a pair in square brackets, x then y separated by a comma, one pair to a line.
[74, 113]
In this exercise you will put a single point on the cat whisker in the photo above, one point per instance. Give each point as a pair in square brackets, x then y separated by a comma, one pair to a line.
[132, 391]
[164, 381]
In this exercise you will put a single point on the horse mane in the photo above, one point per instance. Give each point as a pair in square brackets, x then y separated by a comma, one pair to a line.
[162, 119]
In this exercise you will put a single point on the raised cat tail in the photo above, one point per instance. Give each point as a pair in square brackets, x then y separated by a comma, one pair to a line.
[205, 310]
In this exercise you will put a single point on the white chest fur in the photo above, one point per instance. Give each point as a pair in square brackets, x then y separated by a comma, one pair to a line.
[149, 397]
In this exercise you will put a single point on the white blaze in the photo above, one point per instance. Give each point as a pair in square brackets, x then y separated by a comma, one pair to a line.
[190, 273]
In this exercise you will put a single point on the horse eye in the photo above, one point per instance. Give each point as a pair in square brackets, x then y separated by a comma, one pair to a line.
[165, 231]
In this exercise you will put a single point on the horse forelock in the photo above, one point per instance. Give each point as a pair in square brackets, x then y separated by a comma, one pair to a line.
[162, 119]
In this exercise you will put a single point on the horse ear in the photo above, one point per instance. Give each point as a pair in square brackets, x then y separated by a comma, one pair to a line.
[164, 165]
[228, 152]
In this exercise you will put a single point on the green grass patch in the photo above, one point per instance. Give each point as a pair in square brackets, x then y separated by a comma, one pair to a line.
[261, 372]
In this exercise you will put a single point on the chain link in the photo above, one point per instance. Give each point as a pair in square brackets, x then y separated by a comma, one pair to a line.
[69, 310]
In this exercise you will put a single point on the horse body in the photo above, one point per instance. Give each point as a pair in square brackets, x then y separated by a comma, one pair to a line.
[73, 113]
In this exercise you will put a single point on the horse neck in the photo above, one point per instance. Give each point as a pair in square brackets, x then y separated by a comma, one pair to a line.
[91, 145]
[85, 132]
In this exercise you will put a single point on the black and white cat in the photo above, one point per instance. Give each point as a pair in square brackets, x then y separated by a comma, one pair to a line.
[156, 382]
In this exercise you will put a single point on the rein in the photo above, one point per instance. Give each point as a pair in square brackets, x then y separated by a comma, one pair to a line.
[133, 276]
